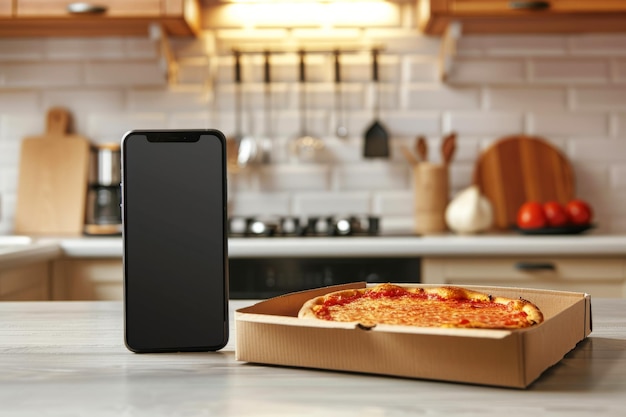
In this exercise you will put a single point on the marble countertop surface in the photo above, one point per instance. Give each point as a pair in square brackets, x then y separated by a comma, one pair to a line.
[440, 245]
[69, 359]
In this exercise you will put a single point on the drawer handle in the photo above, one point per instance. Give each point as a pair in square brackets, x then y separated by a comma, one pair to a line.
[535, 266]
[86, 8]
[529, 5]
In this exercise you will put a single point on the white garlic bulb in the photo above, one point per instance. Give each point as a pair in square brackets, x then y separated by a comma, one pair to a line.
[469, 212]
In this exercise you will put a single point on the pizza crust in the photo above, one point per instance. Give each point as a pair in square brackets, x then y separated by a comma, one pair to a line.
[387, 306]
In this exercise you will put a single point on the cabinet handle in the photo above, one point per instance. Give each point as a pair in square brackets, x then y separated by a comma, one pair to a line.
[529, 5]
[535, 266]
[86, 8]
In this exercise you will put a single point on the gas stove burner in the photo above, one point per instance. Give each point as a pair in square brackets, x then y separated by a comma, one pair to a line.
[285, 226]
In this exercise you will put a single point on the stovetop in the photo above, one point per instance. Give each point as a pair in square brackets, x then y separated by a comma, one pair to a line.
[298, 226]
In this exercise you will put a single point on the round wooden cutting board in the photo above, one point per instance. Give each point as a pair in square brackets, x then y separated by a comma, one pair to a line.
[520, 168]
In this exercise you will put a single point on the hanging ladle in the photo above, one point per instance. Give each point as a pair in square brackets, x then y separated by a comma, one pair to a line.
[246, 148]
[306, 147]
[342, 130]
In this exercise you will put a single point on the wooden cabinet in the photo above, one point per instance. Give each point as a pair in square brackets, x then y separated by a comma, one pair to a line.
[6, 8]
[98, 18]
[515, 16]
[25, 283]
[600, 277]
[88, 279]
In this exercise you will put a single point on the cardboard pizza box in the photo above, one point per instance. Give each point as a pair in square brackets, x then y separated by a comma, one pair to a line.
[270, 332]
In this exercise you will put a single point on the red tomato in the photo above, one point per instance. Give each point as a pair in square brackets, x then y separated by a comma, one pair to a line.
[556, 215]
[579, 211]
[531, 216]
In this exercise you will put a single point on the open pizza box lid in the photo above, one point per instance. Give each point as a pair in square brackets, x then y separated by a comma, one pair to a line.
[270, 332]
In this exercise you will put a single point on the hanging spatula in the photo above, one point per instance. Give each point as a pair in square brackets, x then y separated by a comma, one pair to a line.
[376, 143]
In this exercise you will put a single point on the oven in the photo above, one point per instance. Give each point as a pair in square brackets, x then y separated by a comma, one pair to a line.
[257, 278]
[264, 277]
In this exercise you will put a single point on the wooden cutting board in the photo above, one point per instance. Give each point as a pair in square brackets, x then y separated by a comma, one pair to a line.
[521, 168]
[52, 181]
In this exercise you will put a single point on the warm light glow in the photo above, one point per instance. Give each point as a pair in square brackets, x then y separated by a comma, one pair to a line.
[311, 13]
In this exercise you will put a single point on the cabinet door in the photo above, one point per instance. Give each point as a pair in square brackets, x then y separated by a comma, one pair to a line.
[114, 8]
[6, 8]
[600, 277]
[512, 7]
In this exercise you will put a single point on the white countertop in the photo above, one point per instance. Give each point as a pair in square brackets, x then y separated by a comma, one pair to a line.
[68, 359]
[444, 245]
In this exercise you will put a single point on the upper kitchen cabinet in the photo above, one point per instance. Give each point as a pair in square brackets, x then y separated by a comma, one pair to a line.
[98, 18]
[6, 8]
[512, 16]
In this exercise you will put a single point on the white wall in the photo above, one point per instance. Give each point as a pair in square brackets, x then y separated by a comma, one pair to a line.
[569, 89]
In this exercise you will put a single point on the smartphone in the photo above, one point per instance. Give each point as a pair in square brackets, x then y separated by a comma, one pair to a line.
[174, 209]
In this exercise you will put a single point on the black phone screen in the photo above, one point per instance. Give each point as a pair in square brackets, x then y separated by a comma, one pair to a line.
[175, 250]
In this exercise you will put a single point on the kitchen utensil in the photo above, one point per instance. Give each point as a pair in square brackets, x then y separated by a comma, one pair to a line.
[232, 142]
[246, 144]
[520, 168]
[306, 147]
[265, 143]
[104, 196]
[421, 147]
[342, 130]
[448, 148]
[376, 137]
[52, 182]
[408, 155]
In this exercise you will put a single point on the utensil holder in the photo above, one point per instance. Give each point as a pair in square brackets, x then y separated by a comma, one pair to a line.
[431, 194]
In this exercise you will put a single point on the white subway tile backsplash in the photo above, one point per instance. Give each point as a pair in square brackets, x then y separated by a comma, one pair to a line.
[41, 74]
[82, 100]
[375, 175]
[14, 127]
[598, 150]
[620, 125]
[566, 88]
[598, 44]
[568, 70]
[331, 203]
[410, 124]
[525, 98]
[294, 177]
[84, 48]
[572, 124]
[515, 45]
[600, 98]
[460, 176]
[106, 127]
[393, 203]
[21, 101]
[13, 49]
[423, 69]
[590, 177]
[488, 71]
[486, 123]
[111, 73]
[618, 176]
[441, 97]
[155, 100]
[264, 204]
[141, 48]
[404, 40]
[619, 68]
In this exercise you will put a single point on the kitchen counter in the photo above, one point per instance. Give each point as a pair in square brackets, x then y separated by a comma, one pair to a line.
[444, 245]
[68, 358]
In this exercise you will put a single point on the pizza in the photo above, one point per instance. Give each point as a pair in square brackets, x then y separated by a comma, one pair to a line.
[423, 307]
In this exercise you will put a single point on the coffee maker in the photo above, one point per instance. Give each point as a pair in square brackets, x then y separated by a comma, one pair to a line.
[104, 194]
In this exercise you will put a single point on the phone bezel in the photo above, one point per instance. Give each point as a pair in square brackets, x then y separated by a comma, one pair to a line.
[190, 135]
